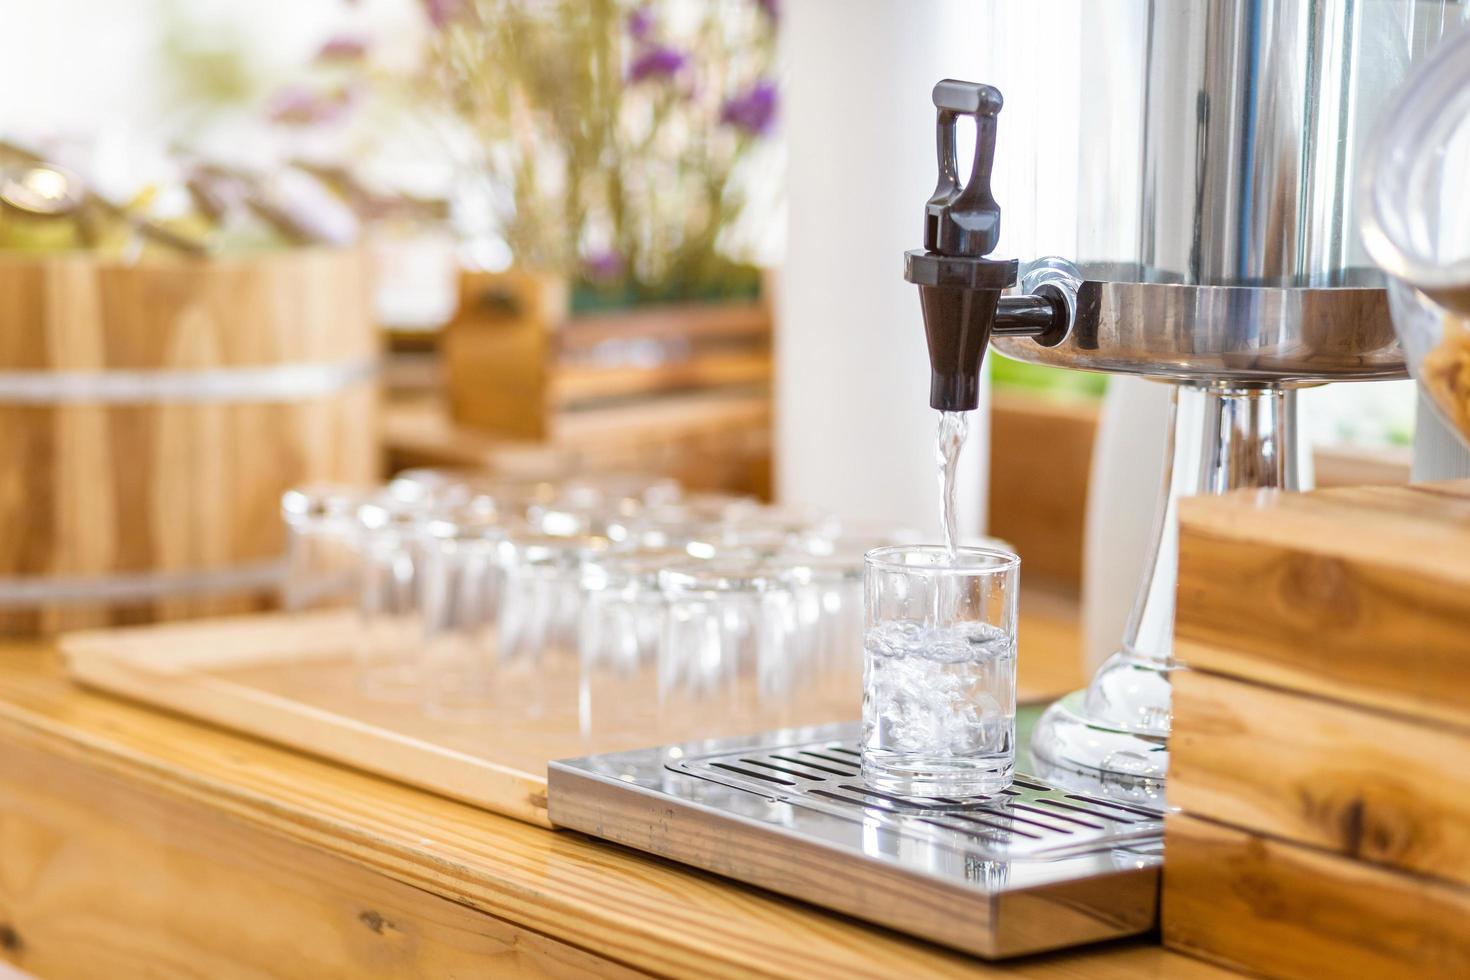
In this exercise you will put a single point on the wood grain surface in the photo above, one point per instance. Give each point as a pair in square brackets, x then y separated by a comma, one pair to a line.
[1370, 786]
[605, 901]
[100, 877]
[1358, 594]
[517, 361]
[1285, 910]
[93, 488]
[718, 440]
[290, 678]
[1041, 461]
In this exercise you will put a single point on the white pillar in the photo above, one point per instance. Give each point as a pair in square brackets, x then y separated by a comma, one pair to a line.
[855, 433]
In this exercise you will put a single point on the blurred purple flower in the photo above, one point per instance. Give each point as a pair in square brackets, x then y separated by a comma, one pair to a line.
[299, 106]
[343, 47]
[753, 110]
[772, 8]
[604, 266]
[658, 61]
[640, 23]
[441, 12]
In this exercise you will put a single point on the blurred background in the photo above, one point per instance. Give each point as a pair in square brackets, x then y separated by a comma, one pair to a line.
[661, 235]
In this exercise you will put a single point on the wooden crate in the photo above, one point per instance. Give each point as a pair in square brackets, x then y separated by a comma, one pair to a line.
[1320, 754]
[152, 414]
[516, 361]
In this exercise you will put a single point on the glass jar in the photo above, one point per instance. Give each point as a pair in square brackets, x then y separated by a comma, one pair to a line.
[1415, 192]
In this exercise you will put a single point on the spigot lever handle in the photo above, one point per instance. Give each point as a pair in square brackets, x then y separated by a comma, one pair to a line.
[964, 220]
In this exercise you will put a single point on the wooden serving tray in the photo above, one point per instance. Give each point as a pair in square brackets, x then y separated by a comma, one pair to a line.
[289, 678]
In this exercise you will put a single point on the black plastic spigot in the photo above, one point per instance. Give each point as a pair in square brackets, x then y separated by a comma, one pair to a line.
[959, 286]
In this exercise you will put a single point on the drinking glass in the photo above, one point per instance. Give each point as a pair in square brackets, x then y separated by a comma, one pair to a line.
[539, 617]
[939, 675]
[390, 625]
[321, 545]
[827, 595]
[622, 624]
[460, 596]
[726, 657]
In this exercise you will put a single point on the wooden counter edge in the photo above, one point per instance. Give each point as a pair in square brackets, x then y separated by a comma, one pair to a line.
[595, 897]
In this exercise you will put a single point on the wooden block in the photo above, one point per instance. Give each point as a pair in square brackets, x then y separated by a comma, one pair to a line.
[1359, 594]
[1285, 910]
[1370, 786]
[1041, 452]
[497, 351]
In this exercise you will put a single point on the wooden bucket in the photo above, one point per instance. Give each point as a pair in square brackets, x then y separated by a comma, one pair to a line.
[152, 414]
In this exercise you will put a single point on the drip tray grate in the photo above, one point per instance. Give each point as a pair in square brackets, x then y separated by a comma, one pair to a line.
[1034, 868]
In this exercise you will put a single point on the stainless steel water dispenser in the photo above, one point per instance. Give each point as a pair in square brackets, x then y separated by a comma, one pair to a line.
[1213, 246]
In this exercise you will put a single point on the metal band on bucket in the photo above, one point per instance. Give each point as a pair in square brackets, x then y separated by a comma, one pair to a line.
[275, 383]
[27, 591]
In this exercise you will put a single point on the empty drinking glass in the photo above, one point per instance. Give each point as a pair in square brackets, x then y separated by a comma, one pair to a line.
[391, 629]
[827, 593]
[726, 659]
[460, 596]
[939, 683]
[321, 545]
[540, 612]
[622, 625]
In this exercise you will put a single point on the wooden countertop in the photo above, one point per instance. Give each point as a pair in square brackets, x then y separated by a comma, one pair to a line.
[133, 841]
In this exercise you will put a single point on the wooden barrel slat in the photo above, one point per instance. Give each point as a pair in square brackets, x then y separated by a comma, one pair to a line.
[126, 489]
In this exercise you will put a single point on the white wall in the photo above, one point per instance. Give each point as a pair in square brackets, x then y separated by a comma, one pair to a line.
[67, 66]
[855, 433]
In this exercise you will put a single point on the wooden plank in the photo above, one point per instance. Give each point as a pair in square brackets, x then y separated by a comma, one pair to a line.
[289, 678]
[1357, 594]
[709, 440]
[1285, 910]
[583, 386]
[1367, 785]
[733, 321]
[1342, 465]
[1041, 461]
[613, 903]
[100, 877]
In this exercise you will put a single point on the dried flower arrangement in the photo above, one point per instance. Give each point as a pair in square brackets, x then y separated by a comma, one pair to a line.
[613, 134]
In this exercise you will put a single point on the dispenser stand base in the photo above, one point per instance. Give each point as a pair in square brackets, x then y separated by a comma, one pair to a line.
[1068, 749]
[1113, 737]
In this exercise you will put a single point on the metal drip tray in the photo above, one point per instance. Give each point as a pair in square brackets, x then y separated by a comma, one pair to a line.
[1033, 869]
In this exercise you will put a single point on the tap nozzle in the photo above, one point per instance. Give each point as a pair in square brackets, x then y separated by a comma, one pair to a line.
[960, 288]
